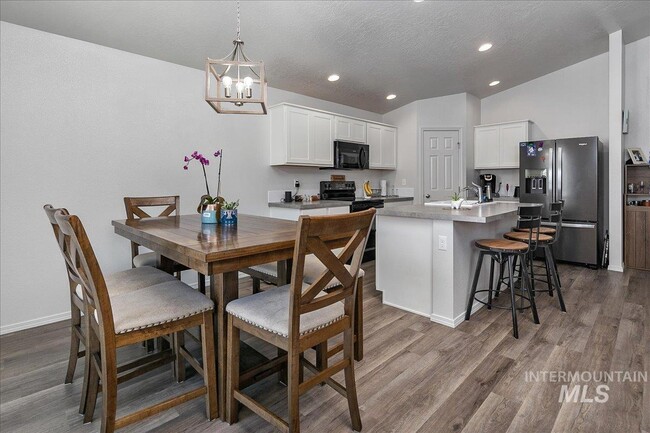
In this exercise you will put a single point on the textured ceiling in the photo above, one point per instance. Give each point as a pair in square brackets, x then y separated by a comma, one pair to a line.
[415, 50]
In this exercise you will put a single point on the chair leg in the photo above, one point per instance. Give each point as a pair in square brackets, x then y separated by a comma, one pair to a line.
[232, 384]
[556, 280]
[559, 282]
[489, 303]
[294, 390]
[201, 283]
[502, 267]
[472, 293]
[90, 400]
[526, 280]
[109, 391]
[549, 281]
[532, 270]
[321, 356]
[179, 363]
[358, 321]
[74, 343]
[256, 285]
[209, 366]
[86, 387]
[350, 383]
[511, 283]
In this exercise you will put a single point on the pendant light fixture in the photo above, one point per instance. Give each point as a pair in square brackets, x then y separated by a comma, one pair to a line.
[235, 84]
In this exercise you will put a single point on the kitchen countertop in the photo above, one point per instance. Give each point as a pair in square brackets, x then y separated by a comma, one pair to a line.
[478, 214]
[333, 203]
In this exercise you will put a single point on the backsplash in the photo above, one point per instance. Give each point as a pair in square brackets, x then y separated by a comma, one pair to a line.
[510, 176]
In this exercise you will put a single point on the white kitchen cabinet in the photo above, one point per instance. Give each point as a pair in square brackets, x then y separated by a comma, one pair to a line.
[293, 214]
[497, 146]
[300, 136]
[348, 129]
[382, 142]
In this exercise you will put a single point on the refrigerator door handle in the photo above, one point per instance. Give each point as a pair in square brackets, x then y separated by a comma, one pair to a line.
[577, 225]
[551, 175]
[559, 174]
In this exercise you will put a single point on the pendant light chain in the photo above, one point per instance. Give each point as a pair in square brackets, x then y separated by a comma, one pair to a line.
[238, 22]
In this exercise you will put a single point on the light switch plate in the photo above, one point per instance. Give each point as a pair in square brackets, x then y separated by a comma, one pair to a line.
[403, 182]
[442, 243]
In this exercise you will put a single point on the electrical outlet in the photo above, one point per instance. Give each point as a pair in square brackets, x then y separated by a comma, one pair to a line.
[403, 182]
[296, 183]
[442, 243]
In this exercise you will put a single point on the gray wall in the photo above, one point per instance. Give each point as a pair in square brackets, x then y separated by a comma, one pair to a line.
[84, 125]
[637, 94]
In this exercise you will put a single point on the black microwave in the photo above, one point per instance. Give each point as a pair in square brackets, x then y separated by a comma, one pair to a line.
[349, 156]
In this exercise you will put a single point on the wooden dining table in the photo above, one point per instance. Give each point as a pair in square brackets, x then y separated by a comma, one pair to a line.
[217, 251]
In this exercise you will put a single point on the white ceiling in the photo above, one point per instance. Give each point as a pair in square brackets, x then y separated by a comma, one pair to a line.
[415, 50]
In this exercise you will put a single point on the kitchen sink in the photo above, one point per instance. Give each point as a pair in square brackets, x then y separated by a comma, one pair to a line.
[467, 204]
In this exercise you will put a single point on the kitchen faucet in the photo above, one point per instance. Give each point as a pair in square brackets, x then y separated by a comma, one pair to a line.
[477, 189]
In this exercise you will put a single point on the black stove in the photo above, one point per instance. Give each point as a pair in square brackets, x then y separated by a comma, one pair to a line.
[345, 190]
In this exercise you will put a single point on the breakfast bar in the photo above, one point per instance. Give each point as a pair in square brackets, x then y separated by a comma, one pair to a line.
[426, 255]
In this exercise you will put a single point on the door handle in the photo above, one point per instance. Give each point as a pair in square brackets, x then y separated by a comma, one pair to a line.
[427, 196]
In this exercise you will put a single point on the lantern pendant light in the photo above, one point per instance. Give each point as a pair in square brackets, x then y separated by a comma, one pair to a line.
[235, 84]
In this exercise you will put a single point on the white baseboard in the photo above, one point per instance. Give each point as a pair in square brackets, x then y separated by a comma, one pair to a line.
[452, 323]
[419, 313]
[616, 268]
[6, 329]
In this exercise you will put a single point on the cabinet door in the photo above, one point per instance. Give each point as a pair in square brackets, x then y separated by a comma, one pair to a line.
[338, 210]
[374, 143]
[486, 147]
[509, 138]
[320, 139]
[347, 129]
[298, 135]
[388, 147]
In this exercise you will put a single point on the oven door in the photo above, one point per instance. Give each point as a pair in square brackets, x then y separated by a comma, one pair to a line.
[351, 155]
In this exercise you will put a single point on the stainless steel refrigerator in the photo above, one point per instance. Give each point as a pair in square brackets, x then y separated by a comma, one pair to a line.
[568, 170]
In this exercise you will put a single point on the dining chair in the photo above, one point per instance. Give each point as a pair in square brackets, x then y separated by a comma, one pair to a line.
[268, 272]
[120, 282]
[299, 316]
[131, 317]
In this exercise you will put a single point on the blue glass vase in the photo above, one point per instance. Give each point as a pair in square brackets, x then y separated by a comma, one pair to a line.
[209, 214]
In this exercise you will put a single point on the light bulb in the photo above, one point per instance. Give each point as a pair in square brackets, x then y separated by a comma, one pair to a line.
[248, 81]
[227, 81]
[239, 86]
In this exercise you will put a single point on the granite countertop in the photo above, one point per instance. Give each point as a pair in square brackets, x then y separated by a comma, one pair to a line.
[478, 214]
[333, 203]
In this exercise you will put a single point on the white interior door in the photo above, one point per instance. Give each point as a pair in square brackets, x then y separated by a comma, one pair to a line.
[441, 168]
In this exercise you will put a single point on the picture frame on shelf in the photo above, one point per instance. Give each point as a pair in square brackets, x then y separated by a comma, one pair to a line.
[637, 156]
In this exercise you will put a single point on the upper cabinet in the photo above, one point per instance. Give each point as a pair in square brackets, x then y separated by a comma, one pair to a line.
[497, 146]
[305, 136]
[348, 129]
[382, 141]
[301, 136]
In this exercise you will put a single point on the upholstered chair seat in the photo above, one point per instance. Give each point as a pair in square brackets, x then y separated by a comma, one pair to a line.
[132, 279]
[269, 310]
[145, 259]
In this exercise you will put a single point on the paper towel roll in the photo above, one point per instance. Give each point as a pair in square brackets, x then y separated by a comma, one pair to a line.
[383, 188]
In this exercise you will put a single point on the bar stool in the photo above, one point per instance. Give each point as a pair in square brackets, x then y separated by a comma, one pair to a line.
[504, 251]
[545, 242]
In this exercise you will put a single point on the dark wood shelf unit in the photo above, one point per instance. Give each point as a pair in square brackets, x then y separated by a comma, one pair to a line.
[637, 219]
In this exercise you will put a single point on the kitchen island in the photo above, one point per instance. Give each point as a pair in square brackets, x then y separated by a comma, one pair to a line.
[426, 256]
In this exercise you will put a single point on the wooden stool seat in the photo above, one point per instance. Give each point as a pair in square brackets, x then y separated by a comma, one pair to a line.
[542, 230]
[524, 236]
[501, 245]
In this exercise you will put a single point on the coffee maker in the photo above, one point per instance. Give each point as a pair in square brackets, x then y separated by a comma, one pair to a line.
[489, 184]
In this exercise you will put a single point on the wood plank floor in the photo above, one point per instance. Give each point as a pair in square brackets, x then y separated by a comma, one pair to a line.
[417, 376]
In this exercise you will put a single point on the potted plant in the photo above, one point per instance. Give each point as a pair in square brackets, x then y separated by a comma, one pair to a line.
[456, 200]
[209, 206]
[229, 213]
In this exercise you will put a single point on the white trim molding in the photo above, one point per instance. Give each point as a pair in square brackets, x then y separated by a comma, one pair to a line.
[33, 323]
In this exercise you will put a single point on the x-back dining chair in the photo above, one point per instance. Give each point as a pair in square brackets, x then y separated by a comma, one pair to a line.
[131, 317]
[299, 316]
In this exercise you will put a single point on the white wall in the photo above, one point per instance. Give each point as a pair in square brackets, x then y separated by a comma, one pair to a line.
[83, 126]
[637, 94]
[454, 111]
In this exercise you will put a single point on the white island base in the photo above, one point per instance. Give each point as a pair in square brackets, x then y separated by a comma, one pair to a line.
[426, 258]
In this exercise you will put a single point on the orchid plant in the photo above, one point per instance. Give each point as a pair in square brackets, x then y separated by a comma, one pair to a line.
[207, 198]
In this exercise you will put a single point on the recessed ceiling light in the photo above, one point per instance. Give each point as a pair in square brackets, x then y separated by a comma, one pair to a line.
[333, 77]
[494, 83]
[418, 1]
[391, 96]
[485, 47]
